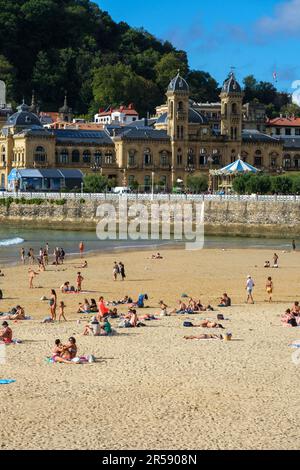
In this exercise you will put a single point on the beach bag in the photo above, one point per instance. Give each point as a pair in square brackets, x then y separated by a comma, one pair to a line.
[1, 294]
[220, 316]
[187, 324]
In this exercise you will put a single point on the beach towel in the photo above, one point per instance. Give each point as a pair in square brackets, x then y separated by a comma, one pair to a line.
[6, 381]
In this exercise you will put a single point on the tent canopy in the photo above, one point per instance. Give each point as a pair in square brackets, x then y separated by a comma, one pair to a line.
[237, 167]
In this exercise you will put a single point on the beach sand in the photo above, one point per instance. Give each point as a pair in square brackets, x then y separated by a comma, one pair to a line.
[150, 388]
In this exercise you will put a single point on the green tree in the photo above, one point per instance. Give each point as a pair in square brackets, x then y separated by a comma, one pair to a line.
[202, 86]
[291, 109]
[296, 185]
[197, 184]
[95, 184]
[282, 185]
[259, 185]
[168, 66]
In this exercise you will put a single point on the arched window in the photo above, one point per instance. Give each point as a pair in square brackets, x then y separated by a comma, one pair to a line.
[297, 161]
[234, 108]
[39, 155]
[147, 157]
[86, 156]
[75, 156]
[286, 162]
[180, 106]
[179, 157]
[203, 157]
[164, 159]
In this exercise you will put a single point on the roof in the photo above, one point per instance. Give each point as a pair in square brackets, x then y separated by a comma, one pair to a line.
[85, 136]
[195, 117]
[23, 118]
[284, 121]
[45, 173]
[249, 135]
[129, 111]
[231, 85]
[178, 84]
[239, 166]
[291, 142]
[143, 133]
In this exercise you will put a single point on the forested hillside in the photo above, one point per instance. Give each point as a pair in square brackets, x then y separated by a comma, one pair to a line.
[56, 45]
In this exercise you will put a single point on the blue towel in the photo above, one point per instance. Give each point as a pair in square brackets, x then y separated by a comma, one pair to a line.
[4, 381]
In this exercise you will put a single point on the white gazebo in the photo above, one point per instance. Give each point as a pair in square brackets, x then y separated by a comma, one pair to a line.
[223, 178]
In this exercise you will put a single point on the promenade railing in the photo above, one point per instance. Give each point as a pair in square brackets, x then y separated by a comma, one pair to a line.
[150, 197]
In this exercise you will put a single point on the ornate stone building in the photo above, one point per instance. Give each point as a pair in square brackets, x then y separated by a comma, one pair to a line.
[183, 141]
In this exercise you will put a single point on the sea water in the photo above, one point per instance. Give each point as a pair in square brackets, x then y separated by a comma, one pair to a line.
[12, 239]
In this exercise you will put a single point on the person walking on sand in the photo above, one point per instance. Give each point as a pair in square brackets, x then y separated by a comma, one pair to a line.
[269, 288]
[62, 311]
[22, 253]
[79, 281]
[122, 270]
[81, 249]
[249, 287]
[115, 271]
[294, 245]
[275, 260]
[31, 275]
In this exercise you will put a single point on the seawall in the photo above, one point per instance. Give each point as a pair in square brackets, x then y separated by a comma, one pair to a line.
[222, 217]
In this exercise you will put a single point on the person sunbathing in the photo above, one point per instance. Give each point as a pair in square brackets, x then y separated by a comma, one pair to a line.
[65, 287]
[82, 266]
[289, 319]
[204, 336]
[157, 256]
[209, 324]
[17, 313]
[6, 333]
[296, 309]
[267, 264]
[85, 307]
[225, 301]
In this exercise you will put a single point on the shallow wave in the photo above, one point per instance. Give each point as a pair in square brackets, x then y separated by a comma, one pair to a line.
[11, 241]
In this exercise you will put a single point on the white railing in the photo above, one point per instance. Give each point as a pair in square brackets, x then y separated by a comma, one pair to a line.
[149, 197]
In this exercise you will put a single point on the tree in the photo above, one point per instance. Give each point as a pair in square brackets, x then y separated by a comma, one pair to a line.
[203, 87]
[168, 66]
[296, 185]
[259, 185]
[250, 84]
[291, 109]
[197, 184]
[282, 185]
[95, 184]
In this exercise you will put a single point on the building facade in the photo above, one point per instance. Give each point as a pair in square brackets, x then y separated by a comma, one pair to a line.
[182, 140]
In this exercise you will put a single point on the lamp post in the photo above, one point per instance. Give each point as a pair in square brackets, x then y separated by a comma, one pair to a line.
[152, 184]
[210, 162]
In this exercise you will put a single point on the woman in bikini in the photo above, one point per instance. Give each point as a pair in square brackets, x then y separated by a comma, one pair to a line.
[53, 304]
[65, 353]
[204, 336]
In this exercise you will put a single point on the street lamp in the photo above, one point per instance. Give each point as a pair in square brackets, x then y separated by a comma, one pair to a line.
[152, 184]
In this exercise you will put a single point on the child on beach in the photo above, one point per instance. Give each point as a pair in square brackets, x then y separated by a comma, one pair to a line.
[6, 333]
[269, 288]
[62, 311]
[79, 281]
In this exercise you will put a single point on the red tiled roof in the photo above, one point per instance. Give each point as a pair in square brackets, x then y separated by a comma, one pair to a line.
[128, 111]
[284, 121]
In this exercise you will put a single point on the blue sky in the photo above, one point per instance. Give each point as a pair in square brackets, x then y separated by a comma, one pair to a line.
[255, 36]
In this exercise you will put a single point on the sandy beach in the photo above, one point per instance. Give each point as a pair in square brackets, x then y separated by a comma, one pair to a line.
[150, 388]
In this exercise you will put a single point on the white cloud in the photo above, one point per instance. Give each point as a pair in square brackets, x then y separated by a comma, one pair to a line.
[286, 19]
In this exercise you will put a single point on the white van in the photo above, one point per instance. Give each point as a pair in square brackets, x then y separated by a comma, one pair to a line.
[121, 190]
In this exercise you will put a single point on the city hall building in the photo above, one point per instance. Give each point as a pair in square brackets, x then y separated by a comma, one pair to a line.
[185, 138]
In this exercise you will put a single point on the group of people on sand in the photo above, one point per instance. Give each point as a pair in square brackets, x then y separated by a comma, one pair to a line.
[119, 269]
[65, 353]
[98, 328]
[291, 317]
[275, 262]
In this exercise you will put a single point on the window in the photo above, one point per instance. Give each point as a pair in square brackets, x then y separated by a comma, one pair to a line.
[131, 157]
[288, 131]
[63, 157]
[75, 156]
[39, 155]
[286, 161]
[108, 157]
[147, 182]
[191, 157]
[86, 156]
[3, 154]
[278, 131]
[258, 161]
[179, 157]
[131, 180]
[234, 108]
[98, 158]
[180, 106]
[297, 131]
[147, 157]
[297, 161]
[164, 158]
[163, 181]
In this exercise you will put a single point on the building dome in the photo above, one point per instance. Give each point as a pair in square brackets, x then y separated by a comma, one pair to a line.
[231, 85]
[24, 118]
[178, 84]
[196, 118]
